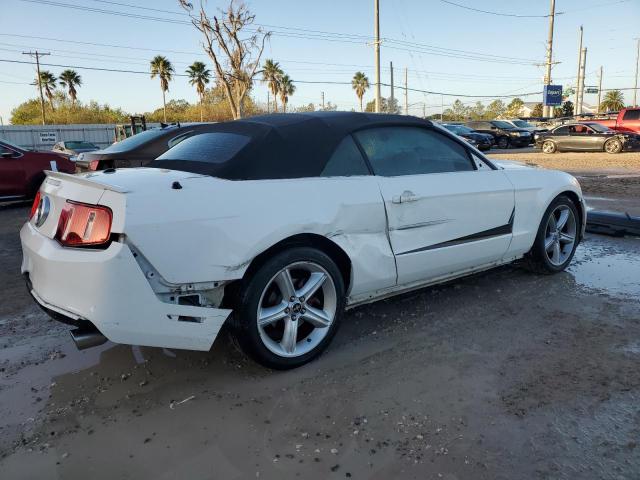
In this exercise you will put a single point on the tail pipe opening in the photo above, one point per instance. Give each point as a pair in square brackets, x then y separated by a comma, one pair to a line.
[86, 338]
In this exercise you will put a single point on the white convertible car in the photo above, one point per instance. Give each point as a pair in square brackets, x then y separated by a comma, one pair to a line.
[275, 224]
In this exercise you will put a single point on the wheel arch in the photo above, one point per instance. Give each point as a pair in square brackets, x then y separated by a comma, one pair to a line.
[575, 199]
[313, 240]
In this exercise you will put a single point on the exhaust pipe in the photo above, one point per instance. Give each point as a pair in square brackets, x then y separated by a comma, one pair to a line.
[85, 338]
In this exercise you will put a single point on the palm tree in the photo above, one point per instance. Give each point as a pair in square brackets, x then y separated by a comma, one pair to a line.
[71, 79]
[199, 76]
[360, 83]
[286, 88]
[613, 101]
[48, 82]
[162, 68]
[271, 73]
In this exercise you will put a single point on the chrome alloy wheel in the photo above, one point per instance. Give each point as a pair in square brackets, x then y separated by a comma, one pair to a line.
[296, 309]
[548, 147]
[560, 235]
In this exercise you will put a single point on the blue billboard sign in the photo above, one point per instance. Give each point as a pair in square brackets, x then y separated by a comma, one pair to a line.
[552, 95]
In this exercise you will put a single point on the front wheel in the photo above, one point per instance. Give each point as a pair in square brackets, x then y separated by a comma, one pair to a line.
[503, 142]
[557, 238]
[548, 147]
[290, 307]
[613, 146]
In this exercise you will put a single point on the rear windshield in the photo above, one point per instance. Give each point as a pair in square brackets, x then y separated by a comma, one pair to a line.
[503, 125]
[74, 145]
[214, 147]
[137, 140]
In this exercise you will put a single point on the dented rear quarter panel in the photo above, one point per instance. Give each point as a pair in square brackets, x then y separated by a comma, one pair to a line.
[211, 229]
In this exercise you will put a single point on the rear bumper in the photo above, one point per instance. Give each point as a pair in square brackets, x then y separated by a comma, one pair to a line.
[108, 289]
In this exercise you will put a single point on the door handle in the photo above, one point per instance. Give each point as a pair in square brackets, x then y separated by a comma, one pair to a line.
[406, 197]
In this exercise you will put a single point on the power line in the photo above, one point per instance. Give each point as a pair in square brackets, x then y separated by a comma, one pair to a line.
[494, 13]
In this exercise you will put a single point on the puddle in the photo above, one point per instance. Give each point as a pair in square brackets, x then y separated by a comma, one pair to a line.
[613, 271]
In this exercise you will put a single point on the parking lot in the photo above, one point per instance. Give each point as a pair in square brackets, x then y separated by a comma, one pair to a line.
[503, 375]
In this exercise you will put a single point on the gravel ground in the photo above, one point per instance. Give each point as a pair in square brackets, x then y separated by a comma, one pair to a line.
[589, 162]
[504, 375]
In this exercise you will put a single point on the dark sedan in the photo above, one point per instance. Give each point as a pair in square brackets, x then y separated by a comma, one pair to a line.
[504, 134]
[138, 150]
[483, 141]
[586, 137]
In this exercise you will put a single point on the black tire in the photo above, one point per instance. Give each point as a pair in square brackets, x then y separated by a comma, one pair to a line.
[613, 145]
[548, 146]
[245, 322]
[503, 142]
[537, 260]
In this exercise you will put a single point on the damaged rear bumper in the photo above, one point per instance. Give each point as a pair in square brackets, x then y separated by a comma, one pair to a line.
[107, 289]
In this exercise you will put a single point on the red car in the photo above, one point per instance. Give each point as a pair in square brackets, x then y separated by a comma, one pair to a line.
[627, 120]
[22, 171]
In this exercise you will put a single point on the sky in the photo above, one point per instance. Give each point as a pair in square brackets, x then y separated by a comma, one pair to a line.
[446, 49]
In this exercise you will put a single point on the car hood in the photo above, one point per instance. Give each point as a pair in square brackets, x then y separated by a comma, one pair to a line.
[510, 164]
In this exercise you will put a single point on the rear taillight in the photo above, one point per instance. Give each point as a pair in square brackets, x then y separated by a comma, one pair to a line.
[93, 164]
[82, 225]
[34, 207]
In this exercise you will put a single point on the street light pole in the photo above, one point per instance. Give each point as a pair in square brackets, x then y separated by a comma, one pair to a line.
[547, 78]
[599, 89]
[376, 44]
[635, 87]
[575, 102]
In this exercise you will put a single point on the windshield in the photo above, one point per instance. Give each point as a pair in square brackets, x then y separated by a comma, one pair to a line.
[458, 129]
[599, 128]
[12, 145]
[137, 140]
[504, 125]
[522, 124]
[76, 145]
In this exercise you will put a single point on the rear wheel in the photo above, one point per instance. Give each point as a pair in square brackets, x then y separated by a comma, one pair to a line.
[613, 146]
[503, 142]
[549, 147]
[290, 308]
[557, 237]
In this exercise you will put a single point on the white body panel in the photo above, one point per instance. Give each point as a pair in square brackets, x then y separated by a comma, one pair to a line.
[210, 230]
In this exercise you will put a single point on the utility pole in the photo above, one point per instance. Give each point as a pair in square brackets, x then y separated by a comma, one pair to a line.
[424, 110]
[441, 108]
[547, 78]
[391, 97]
[635, 87]
[376, 44]
[268, 100]
[406, 92]
[322, 96]
[583, 66]
[575, 101]
[37, 56]
[599, 89]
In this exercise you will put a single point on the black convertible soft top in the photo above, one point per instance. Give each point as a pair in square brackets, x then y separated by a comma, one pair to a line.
[293, 145]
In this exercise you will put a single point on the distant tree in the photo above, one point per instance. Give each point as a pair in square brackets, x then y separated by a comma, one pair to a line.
[310, 107]
[537, 110]
[613, 101]
[495, 109]
[477, 112]
[162, 68]
[70, 79]
[567, 108]
[386, 106]
[235, 55]
[48, 82]
[271, 74]
[514, 109]
[65, 112]
[199, 77]
[286, 88]
[328, 107]
[360, 83]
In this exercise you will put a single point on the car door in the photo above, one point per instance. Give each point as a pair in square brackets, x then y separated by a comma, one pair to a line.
[593, 141]
[12, 172]
[561, 137]
[445, 214]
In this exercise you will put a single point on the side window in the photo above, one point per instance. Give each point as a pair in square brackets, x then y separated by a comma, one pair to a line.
[631, 115]
[561, 131]
[346, 161]
[7, 152]
[395, 151]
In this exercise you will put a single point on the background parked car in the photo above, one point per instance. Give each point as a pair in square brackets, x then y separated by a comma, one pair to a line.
[504, 134]
[586, 136]
[138, 150]
[533, 129]
[482, 141]
[74, 147]
[627, 120]
[22, 171]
